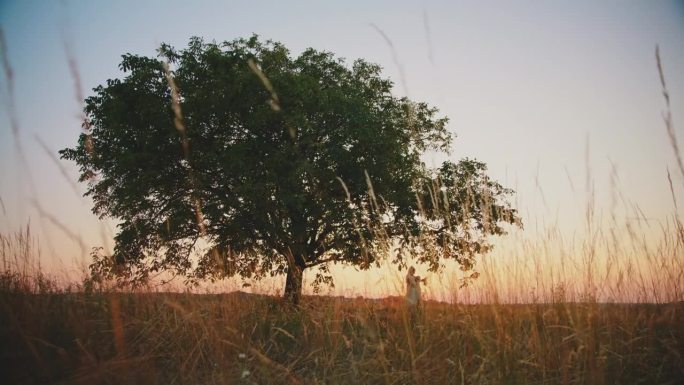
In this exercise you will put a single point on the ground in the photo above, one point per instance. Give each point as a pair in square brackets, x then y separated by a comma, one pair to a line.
[238, 338]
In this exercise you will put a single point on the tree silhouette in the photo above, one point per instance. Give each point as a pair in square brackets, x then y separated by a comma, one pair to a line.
[238, 159]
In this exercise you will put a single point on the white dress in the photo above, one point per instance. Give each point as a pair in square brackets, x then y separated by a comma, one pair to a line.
[412, 290]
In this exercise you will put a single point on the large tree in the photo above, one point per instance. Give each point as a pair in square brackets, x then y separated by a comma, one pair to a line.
[239, 159]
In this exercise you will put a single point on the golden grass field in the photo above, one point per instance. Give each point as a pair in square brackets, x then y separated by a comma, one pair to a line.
[51, 333]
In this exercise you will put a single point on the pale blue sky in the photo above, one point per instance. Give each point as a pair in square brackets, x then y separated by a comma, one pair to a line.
[526, 85]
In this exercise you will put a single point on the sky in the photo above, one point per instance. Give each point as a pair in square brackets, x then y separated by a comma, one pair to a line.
[562, 100]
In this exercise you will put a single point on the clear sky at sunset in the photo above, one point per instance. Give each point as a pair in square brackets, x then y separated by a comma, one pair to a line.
[549, 94]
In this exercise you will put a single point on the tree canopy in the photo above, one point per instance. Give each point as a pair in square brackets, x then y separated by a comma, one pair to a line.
[239, 159]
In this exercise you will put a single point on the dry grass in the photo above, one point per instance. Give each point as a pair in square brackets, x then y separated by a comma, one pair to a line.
[53, 334]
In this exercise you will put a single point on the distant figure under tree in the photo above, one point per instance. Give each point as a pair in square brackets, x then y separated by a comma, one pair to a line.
[413, 288]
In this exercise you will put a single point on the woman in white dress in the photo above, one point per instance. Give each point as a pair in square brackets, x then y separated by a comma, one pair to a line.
[412, 288]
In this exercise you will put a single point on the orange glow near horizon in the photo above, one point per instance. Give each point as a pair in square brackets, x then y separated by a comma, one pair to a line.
[631, 263]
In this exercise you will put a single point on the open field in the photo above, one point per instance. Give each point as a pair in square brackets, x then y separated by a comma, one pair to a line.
[53, 336]
[586, 287]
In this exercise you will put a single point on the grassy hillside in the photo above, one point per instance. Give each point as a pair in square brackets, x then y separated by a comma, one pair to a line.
[53, 336]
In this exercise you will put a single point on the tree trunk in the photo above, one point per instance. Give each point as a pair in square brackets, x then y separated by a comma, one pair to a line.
[293, 284]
